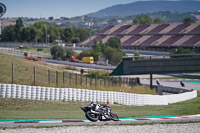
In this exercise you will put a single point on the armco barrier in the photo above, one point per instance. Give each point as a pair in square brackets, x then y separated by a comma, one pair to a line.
[84, 95]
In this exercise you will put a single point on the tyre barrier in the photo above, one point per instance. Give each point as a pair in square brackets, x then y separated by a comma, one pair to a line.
[84, 95]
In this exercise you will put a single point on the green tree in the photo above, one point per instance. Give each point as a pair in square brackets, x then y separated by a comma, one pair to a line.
[68, 34]
[137, 56]
[96, 55]
[81, 34]
[97, 50]
[181, 50]
[76, 40]
[57, 52]
[113, 55]
[33, 34]
[8, 33]
[114, 42]
[188, 20]
[84, 53]
[18, 26]
[42, 30]
[25, 34]
[96, 47]
[69, 53]
[53, 32]
[157, 21]
[142, 19]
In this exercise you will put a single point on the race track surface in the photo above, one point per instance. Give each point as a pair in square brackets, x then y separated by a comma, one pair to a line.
[132, 120]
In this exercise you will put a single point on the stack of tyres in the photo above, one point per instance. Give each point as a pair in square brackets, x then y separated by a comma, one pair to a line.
[28, 92]
[42, 94]
[83, 95]
[38, 92]
[52, 93]
[8, 91]
[70, 94]
[33, 92]
[23, 92]
[61, 94]
[66, 94]
[56, 94]
[3, 90]
[47, 93]
[13, 91]
[18, 91]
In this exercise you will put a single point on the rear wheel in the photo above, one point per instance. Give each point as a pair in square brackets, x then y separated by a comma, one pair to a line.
[114, 117]
[91, 116]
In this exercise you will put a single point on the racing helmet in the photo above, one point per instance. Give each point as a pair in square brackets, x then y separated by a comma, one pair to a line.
[104, 105]
[92, 103]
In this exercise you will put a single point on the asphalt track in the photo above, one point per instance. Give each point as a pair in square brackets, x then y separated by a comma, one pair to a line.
[176, 83]
[79, 64]
[74, 122]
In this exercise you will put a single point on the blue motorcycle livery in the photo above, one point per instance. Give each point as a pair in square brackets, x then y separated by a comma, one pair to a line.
[101, 112]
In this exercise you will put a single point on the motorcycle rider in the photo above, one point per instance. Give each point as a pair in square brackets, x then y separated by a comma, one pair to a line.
[97, 106]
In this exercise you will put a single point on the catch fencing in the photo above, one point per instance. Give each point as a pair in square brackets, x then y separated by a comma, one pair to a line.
[21, 52]
[84, 95]
[44, 77]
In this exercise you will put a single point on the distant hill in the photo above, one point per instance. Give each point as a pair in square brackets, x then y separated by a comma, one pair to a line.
[147, 7]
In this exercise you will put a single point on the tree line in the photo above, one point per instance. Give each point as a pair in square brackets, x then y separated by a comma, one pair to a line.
[42, 32]
[144, 19]
[111, 50]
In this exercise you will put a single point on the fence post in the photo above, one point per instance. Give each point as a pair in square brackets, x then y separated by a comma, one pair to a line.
[81, 79]
[90, 81]
[86, 81]
[120, 81]
[70, 78]
[49, 77]
[12, 73]
[34, 73]
[56, 78]
[115, 81]
[104, 81]
[95, 81]
[111, 81]
[108, 81]
[127, 81]
[76, 79]
[151, 81]
[63, 78]
[100, 81]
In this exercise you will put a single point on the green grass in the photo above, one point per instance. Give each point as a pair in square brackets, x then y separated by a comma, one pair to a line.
[37, 109]
[23, 74]
[47, 51]
[23, 70]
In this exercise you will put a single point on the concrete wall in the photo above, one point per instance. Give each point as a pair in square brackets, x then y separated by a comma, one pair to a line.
[84, 95]
[159, 66]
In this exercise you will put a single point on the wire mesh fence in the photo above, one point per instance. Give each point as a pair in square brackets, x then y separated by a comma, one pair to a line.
[41, 77]
[25, 51]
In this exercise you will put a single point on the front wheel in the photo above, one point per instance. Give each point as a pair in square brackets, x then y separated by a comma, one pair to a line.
[91, 116]
[114, 117]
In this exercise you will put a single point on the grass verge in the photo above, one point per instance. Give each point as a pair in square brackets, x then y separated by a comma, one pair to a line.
[23, 74]
[37, 109]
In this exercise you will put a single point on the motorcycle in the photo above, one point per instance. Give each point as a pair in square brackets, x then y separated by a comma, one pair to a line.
[99, 112]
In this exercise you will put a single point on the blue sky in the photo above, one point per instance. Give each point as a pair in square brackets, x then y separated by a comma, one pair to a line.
[56, 8]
